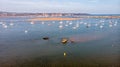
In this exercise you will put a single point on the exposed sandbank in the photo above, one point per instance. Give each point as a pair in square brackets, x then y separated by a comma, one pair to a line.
[53, 19]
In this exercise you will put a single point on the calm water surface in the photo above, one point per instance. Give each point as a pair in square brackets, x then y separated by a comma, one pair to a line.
[96, 43]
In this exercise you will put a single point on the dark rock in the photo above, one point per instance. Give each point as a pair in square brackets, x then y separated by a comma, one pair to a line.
[46, 38]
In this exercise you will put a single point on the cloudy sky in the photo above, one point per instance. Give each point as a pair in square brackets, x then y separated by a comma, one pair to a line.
[62, 6]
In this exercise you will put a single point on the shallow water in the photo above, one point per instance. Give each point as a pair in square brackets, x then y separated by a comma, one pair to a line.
[96, 43]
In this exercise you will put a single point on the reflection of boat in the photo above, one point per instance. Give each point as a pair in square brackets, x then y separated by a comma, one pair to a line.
[64, 40]
[64, 54]
[87, 26]
[72, 41]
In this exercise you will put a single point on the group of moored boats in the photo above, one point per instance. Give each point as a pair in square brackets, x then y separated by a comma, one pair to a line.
[63, 40]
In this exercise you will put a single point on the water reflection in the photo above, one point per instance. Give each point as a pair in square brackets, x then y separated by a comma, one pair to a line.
[64, 54]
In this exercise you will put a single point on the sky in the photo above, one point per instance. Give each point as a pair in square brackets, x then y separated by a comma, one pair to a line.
[61, 6]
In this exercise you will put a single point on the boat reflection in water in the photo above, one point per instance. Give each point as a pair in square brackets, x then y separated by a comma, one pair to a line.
[87, 42]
